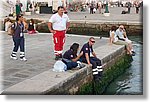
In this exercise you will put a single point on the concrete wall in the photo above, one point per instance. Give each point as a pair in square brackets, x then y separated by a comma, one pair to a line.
[94, 28]
[97, 28]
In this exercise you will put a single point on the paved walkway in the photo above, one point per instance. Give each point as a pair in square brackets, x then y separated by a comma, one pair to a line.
[115, 15]
[39, 52]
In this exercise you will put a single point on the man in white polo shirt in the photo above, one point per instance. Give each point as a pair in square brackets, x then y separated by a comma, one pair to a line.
[58, 25]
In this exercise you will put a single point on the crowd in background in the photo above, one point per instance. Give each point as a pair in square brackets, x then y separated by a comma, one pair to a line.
[94, 6]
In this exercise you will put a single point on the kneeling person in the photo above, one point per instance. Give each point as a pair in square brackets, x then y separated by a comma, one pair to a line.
[70, 57]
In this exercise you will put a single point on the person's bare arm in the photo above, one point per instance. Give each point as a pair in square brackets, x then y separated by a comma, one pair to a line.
[111, 38]
[124, 33]
[50, 27]
[75, 59]
[94, 54]
[67, 26]
[87, 58]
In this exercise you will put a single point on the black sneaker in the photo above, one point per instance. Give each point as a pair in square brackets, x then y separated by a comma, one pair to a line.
[57, 57]
[133, 52]
[60, 55]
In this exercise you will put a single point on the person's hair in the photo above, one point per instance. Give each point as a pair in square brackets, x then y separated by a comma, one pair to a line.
[91, 38]
[32, 21]
[113, 28]
[18, 16]
[60, 7]
[74, 47]
[121, 26]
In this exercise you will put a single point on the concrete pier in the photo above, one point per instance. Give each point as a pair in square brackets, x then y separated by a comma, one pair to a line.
[36, 76]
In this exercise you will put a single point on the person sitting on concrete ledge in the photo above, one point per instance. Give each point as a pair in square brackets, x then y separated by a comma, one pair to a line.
[71, 59]
[114, 39]
[121, 34]
[94, 61]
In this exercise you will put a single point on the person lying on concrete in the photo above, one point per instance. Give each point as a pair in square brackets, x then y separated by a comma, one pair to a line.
[71, 59]
[87, 49]
[121, 34]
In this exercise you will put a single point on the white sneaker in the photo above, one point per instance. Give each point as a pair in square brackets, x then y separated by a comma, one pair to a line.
[23, 59]
[14, 58]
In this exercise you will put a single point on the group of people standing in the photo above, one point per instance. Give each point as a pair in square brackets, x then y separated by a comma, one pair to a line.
[137, 6]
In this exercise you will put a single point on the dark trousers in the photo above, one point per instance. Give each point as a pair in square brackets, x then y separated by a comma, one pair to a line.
[137, 10]
[93, 60]
[71, 65]
[18, 42]
[91, 10]
[128, 9]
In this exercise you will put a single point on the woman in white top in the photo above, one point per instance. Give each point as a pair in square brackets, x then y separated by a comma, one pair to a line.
[7, 24]
[114, 39]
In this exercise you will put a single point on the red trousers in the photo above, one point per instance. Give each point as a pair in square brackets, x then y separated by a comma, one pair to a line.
[59, 40]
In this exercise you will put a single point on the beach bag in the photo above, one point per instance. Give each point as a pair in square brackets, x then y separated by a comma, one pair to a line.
[59, 66]
[10, 30]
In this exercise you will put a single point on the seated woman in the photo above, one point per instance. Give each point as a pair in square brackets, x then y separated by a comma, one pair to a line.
[70, 57]
[31, 27]
[114, 39]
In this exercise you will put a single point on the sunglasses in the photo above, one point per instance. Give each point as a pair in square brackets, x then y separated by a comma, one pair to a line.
[20, 16]
[93, 41]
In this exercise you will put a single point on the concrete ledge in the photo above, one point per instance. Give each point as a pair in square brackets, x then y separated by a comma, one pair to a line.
[46, 82]
[69, 82]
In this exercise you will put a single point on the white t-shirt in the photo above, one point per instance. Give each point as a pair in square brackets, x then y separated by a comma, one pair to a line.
[119, 33]
[58, 22]
[7, 25]
[115, 36]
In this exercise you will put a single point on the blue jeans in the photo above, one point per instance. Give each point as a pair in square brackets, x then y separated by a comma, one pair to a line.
[70, 64]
